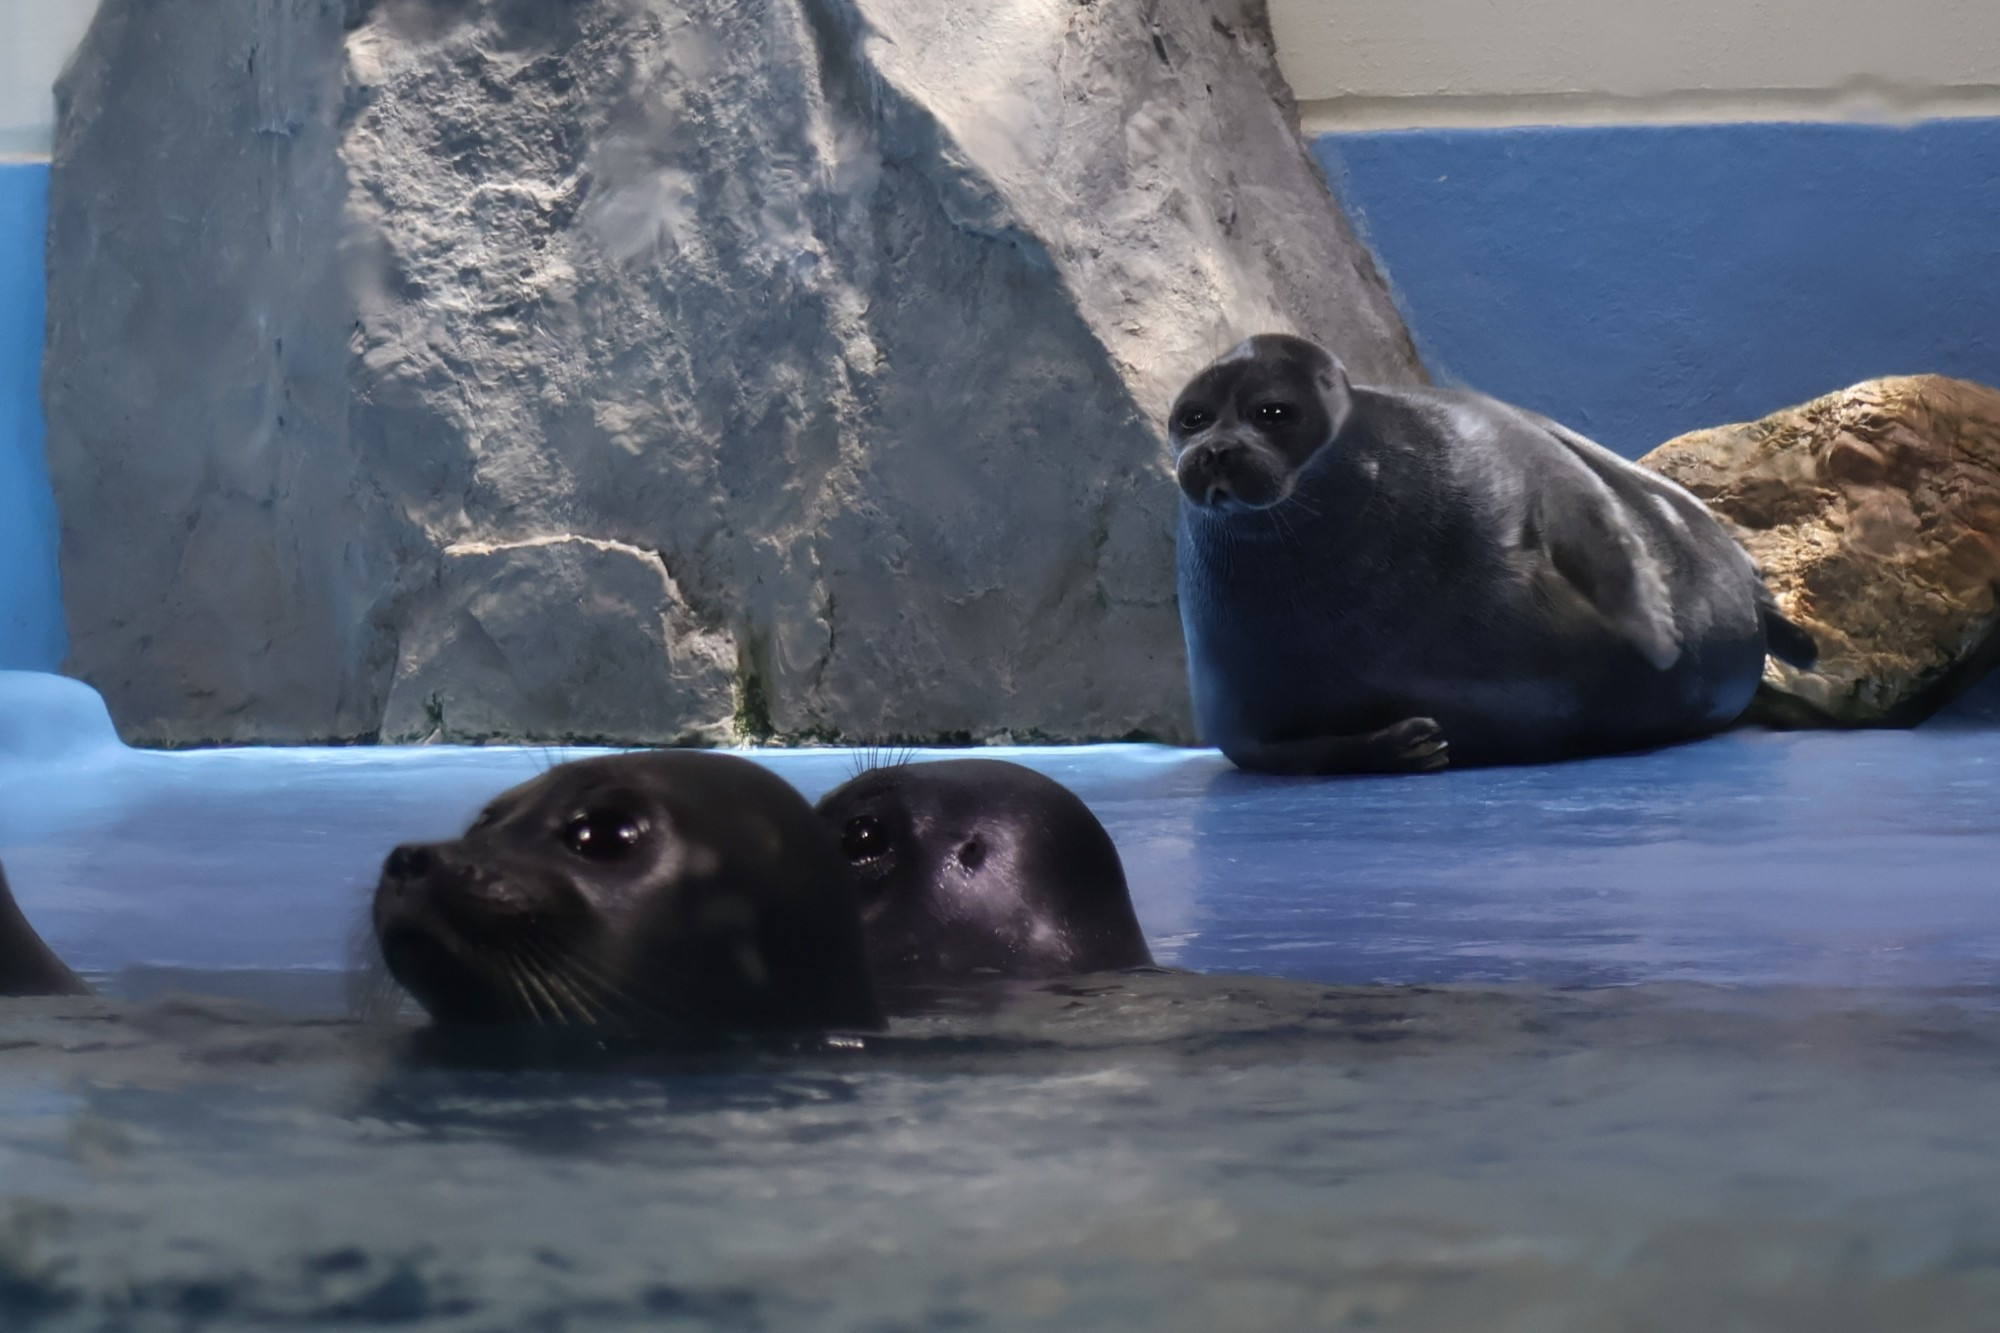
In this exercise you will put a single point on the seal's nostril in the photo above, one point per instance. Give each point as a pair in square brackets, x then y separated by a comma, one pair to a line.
[410, 861]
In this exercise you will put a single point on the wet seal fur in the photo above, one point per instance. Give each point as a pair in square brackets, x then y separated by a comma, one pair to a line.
[1373, 580]
[668, 892]
[972, 869]
[27, 965]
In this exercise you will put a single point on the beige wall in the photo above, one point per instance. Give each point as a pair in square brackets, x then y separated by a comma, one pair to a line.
[36, 37]
[1363, 63]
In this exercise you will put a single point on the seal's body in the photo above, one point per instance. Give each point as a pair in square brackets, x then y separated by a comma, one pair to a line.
[27, 965]
[1368, 576]
[980, 868]
[671, 891]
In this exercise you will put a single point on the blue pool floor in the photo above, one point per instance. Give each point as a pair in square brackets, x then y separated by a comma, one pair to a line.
[1859, 859]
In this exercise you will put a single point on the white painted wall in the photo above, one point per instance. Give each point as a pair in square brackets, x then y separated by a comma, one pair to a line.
[36, 37]
[1374, 63]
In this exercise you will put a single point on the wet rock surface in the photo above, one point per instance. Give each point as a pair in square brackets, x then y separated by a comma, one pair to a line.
[1875, 516]
[408, 359]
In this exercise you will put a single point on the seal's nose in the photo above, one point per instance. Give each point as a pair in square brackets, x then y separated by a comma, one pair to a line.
[410, 861]
[1204, 474]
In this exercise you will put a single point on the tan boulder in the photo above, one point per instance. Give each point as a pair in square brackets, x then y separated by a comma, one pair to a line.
[1874, 514]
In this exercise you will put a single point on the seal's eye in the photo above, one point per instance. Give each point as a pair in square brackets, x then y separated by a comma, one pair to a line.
[1193, 419]
[603, 835]
[863, 838]
[1276, 414]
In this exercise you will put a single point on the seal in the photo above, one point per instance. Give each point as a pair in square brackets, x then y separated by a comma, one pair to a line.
[670, 891]
[981, 868]
[27, 965]
[1387, 580]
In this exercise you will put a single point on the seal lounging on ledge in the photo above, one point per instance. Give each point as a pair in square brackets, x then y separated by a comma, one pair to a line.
[1384, 580]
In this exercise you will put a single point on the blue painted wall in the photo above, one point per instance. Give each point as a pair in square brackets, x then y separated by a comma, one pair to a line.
[31, 618]
[1636, 282]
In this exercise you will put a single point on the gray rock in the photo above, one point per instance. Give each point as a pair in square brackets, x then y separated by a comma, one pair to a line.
[658, 369]
[560, 636]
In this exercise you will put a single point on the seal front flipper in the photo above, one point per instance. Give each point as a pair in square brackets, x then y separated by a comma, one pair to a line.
[1785, 639]
[1414, 745]
[28, 966]
[1579, 561]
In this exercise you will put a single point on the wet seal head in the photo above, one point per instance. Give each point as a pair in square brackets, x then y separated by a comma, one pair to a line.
[669, 891]
[1244, 428]
[981, 868]
[27, 965]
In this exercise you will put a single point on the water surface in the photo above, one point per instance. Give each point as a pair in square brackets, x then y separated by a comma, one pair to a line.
[1702, 1039]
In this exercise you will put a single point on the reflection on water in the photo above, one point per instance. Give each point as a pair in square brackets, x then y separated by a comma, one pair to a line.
[1154, 1151]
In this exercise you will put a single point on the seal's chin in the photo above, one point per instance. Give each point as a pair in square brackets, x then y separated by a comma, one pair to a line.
[452, 986]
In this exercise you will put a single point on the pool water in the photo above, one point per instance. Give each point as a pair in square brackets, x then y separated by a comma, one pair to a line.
[1701, 1039]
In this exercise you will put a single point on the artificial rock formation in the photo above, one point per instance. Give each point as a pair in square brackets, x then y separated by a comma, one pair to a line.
[1875, 516]
[657, 370]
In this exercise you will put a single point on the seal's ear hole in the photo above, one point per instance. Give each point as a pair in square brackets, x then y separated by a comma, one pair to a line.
[604, 834]
[863, 838]
[973, 854]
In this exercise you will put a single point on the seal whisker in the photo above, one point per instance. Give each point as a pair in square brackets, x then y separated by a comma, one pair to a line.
[568, 1006]
[586, 1009]
[667, 1004]
[871, 757]
[608, 996]
[511, 970]
[535, 982]
[560, 978]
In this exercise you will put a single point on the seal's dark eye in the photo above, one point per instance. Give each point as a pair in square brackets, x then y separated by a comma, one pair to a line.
[603, 835]
[1276, 414]
[863, 838]
[1193, 419]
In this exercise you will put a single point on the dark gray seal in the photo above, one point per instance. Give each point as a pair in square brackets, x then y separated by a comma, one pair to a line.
[980, 868]
[670, 891]
[1368, 576]
[27, 965]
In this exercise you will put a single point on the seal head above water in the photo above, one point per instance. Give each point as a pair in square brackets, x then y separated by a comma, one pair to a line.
[671, 890]
[1369, 576]
[981, 868]
[27, 965]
